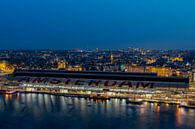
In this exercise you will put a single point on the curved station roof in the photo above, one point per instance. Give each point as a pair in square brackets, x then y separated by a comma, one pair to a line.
[99, 75]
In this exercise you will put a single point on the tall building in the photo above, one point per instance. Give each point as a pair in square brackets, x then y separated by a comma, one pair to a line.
[112, 59]
[193, 76]
[62, 64]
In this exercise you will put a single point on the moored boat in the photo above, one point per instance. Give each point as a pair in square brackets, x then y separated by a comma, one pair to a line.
[134, 101]
[99, 96]
[8, 91]
[187, 105]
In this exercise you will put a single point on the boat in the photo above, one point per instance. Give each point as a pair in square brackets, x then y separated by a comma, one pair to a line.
[187, 105]
[158, 104]
[99, 96]
[134, 101]
[9, 91]
[89, 104]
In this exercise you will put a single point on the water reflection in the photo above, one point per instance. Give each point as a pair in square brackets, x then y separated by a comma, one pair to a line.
[37, 110]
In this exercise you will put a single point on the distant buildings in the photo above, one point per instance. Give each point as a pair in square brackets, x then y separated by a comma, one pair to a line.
[160, 71]
[193, 76]
[63, 65]
[163, 62]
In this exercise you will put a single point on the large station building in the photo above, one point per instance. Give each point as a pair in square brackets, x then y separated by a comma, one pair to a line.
[97, 79]
[114, 84]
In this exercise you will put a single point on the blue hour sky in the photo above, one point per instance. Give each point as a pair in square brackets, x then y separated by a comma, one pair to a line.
[88, 24]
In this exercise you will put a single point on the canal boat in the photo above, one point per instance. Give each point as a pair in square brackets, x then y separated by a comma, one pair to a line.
[187, 105]
[99, 97]
[134, 101]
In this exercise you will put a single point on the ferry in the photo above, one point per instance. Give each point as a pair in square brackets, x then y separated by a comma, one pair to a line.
[187, 105]
[134, 101]
[8, 91]
[99, 96]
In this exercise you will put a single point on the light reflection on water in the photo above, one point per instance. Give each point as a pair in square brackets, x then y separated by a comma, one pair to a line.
[36, 111]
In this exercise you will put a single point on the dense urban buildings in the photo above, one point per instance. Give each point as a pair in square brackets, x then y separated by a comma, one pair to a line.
[162, 62]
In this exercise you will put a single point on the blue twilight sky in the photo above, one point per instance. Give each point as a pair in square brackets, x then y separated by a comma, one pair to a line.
[64, 24]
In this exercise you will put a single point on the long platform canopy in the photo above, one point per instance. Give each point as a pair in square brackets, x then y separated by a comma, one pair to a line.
[100, 75]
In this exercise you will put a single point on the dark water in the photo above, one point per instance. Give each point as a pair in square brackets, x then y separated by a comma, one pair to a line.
[38, 111]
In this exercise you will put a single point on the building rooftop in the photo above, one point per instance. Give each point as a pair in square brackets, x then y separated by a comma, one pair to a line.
[99, 75]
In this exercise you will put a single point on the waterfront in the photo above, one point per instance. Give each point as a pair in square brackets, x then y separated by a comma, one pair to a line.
[38, 111]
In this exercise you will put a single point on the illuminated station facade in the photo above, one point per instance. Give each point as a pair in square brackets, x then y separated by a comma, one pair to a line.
[90, 83]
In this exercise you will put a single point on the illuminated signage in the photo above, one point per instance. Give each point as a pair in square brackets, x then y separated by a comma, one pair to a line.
[86, 82]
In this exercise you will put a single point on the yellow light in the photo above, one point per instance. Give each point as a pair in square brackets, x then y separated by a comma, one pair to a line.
[6, 67]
